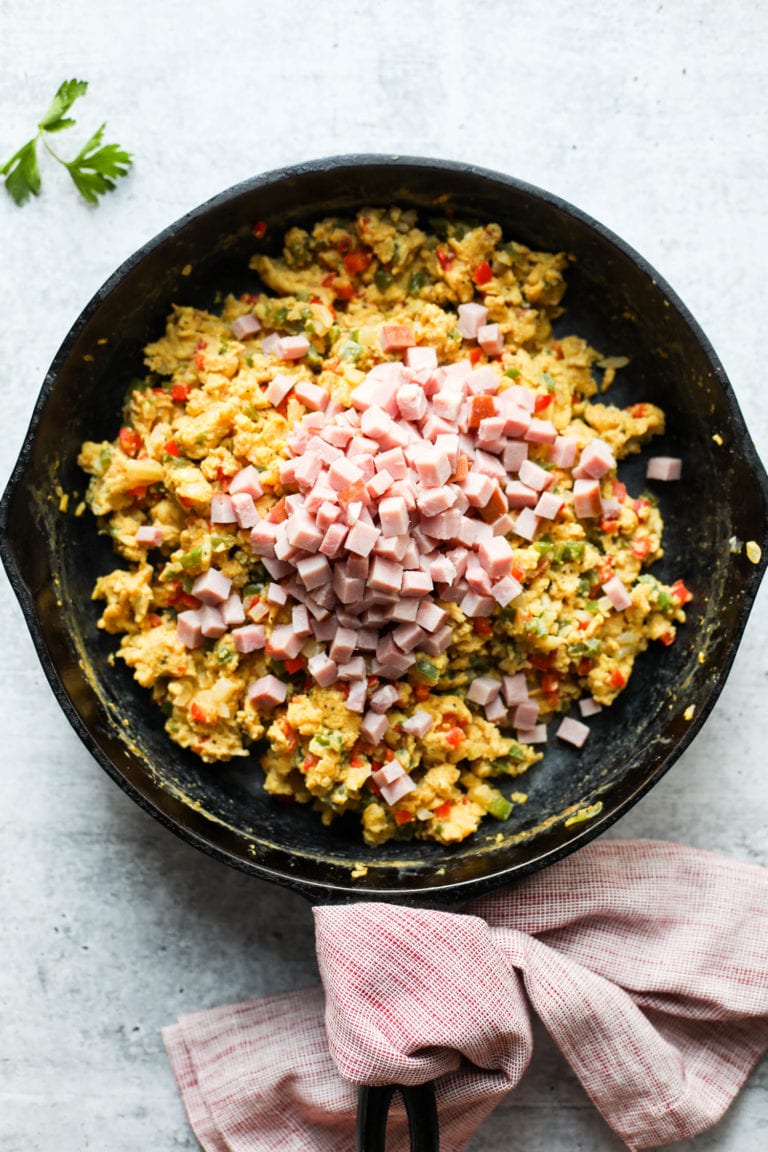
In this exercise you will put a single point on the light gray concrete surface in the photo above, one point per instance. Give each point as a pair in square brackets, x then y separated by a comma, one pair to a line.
[652, 117]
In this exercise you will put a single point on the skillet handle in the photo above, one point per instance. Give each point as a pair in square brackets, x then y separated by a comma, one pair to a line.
[373, 1109]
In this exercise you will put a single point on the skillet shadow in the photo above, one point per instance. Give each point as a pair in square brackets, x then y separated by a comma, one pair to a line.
[258, 938]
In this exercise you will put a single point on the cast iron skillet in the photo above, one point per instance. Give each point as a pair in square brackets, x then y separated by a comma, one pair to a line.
[617, 302]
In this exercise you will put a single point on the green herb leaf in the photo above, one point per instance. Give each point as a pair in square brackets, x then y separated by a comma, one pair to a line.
[69, 91]
[22, 175]
[95, 169]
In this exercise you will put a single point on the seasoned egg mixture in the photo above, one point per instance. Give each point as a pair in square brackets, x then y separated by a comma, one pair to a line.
[202, 416]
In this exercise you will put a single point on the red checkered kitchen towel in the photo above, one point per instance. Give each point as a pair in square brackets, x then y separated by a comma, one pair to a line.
[647, 962]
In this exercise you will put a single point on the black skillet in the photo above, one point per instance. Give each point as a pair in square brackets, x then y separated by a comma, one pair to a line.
[618, 303]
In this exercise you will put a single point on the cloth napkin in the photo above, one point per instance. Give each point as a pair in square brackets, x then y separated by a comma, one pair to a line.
[647, 962]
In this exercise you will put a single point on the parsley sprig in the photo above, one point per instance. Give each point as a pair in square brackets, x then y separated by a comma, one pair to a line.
[93, 170]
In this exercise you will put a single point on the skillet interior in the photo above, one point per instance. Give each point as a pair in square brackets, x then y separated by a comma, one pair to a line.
[616, 302]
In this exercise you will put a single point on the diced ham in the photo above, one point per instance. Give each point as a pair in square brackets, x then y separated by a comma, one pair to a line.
[293, 347]
[388, 773]
[474, 604]
[374, 727]
[267, 691]
[549, 505]
[384, 698]
[483, 689]
[586, 499]
[664, 468]
[541, 432]
[506, 590]
[534, 476]
[245, 326]
[245, 510]
[270, 345]
[278, 388]
[483, 381]
[420, 358]
[515, 689]
[617, 594]
[526, 524]
[396, 337]
[399, 788]
[232, 610]
[356, 696]
[212, 587]
[249, 638]
[303, 533]
[283, 643]
[188, 628]
[517, 421]
[263, 538]
[526, 714]
[496, 557]
[416, 584]
[222, 511]
[588, 706]
[495, 712]
[490, 339]
[212, 623]
[563, 452]
[246, 480]
[148, 536]
[471, 319]
[519, 495]
[535, 735]
[322, 669]
[572, 731]
[418, 723]
[596, 459]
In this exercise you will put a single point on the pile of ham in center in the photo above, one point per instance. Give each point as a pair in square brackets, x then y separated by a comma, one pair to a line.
[400, 502]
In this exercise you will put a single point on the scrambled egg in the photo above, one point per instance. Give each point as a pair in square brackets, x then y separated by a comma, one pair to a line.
[200, 415]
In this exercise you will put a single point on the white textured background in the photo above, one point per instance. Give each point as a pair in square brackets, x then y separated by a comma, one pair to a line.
[651, 117]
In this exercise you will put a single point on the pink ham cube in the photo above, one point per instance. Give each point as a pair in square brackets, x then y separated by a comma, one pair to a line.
[188, 629]
[506, 590]
[664, 468]
[496, 557]
[267, 692]
[418, 723]
[515, 689]
[588, 706]
[232, 610]
[572, 731]
[384, 698]
[249, 638]
[412, 403]
[399, 788]
[212, 623]
[148, 536]
[596, 459]
[245, 510]
[374, 727]
[617, 594]
[471, 318]
[293, 347]
[212, 587]
[222, 511]
[490, 339]
[526, 714]
[420, 359]
[586, 499]
[278, 388]
[246, 480]
[396, 337]
[526, 524]
[322, 669]
[312, 396]
[519, 495]
[393, 516]
[549, 505]
[361, 538]
[534, 476]
[245, 326]
[563, 452]
[483, 689]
